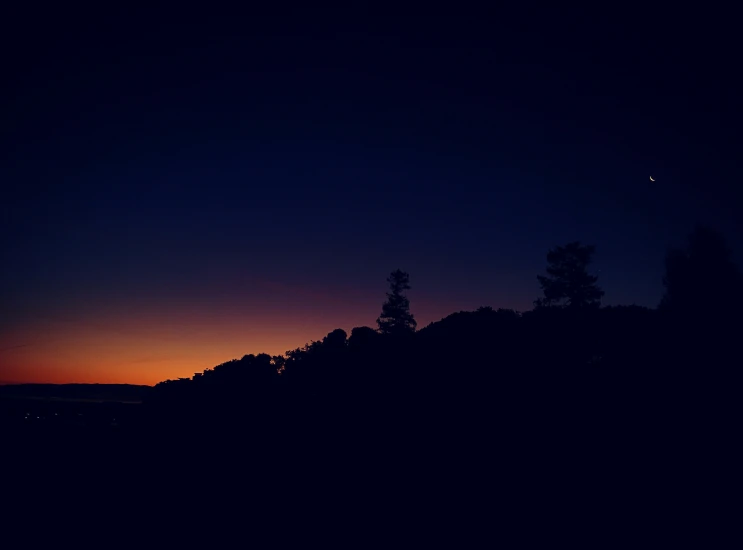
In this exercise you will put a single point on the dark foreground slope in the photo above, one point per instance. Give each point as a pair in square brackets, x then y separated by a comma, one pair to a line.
[486, 423]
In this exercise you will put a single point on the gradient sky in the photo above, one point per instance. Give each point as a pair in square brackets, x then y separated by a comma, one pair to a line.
[181, 189]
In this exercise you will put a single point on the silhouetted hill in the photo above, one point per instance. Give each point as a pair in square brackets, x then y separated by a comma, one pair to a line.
[576, 404]
[78, 392]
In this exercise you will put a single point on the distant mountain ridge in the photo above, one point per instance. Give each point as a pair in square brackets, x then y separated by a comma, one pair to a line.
[87, 392]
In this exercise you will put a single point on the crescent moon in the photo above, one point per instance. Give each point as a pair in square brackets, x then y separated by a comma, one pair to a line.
[651, 178]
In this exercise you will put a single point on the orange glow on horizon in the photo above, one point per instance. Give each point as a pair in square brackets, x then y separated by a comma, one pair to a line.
[126, 342]
[117, 354]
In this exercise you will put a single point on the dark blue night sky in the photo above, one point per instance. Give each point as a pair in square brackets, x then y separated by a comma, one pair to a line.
[280, 167]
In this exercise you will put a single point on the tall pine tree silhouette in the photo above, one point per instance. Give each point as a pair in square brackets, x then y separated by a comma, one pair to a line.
[396, 317]
[568, 283]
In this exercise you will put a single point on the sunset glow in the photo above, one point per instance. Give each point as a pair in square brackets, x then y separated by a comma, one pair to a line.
[135, 343]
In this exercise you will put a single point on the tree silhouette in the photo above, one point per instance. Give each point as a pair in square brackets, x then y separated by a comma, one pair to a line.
[362, 337]
[336, 339]
[702, 277]
[568, 283]
[396, 317]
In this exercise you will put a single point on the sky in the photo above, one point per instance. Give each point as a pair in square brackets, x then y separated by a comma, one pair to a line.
[183, 188]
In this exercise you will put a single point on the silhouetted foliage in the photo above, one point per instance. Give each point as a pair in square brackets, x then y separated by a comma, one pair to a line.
[396, 317]
[336, 339]
[702, 278]
[362, 337]
[568, 283]
[476, 364]
[490, 392]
